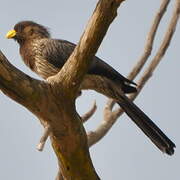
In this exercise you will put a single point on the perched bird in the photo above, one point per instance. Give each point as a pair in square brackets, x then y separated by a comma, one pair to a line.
[46, 56]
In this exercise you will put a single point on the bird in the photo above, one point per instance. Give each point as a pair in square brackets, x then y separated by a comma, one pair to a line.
[46, 56]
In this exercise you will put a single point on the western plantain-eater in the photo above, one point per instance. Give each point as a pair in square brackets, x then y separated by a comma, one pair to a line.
[46, 56]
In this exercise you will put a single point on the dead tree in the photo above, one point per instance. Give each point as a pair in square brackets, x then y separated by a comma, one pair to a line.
[56, 98]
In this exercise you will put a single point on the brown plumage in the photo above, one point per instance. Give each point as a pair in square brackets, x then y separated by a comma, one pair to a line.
[46, 56]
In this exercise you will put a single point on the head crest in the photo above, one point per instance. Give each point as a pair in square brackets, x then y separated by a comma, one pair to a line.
[19, 27]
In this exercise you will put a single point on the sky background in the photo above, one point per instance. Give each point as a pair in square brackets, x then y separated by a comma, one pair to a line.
[125, 153]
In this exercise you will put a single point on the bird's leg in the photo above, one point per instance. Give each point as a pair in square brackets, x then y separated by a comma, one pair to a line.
[47, 130]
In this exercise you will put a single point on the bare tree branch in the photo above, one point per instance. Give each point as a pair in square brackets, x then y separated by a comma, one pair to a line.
[47, 130]
[162, 49]
[111, 116]
[89, 114]
[19, 86]
[107, 122]
[150, 40]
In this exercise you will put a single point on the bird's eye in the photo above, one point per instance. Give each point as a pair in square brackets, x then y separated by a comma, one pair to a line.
[28, 31]
[31, 31]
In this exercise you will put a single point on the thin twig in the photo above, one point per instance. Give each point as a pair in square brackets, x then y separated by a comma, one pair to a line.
[89, 114]
[105, 124]
[150, 40]
[44, 137]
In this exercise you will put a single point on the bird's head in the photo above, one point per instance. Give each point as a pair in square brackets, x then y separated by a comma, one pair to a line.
[27, 30]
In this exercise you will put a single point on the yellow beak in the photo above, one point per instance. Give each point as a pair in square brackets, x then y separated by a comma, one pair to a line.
[11, 34]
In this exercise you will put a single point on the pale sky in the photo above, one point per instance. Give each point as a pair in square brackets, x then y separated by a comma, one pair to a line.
[125, 153]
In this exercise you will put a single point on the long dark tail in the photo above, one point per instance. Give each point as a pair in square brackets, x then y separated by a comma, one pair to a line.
[147, 126]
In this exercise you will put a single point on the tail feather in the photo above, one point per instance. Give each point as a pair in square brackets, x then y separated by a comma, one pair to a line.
[147, 126]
